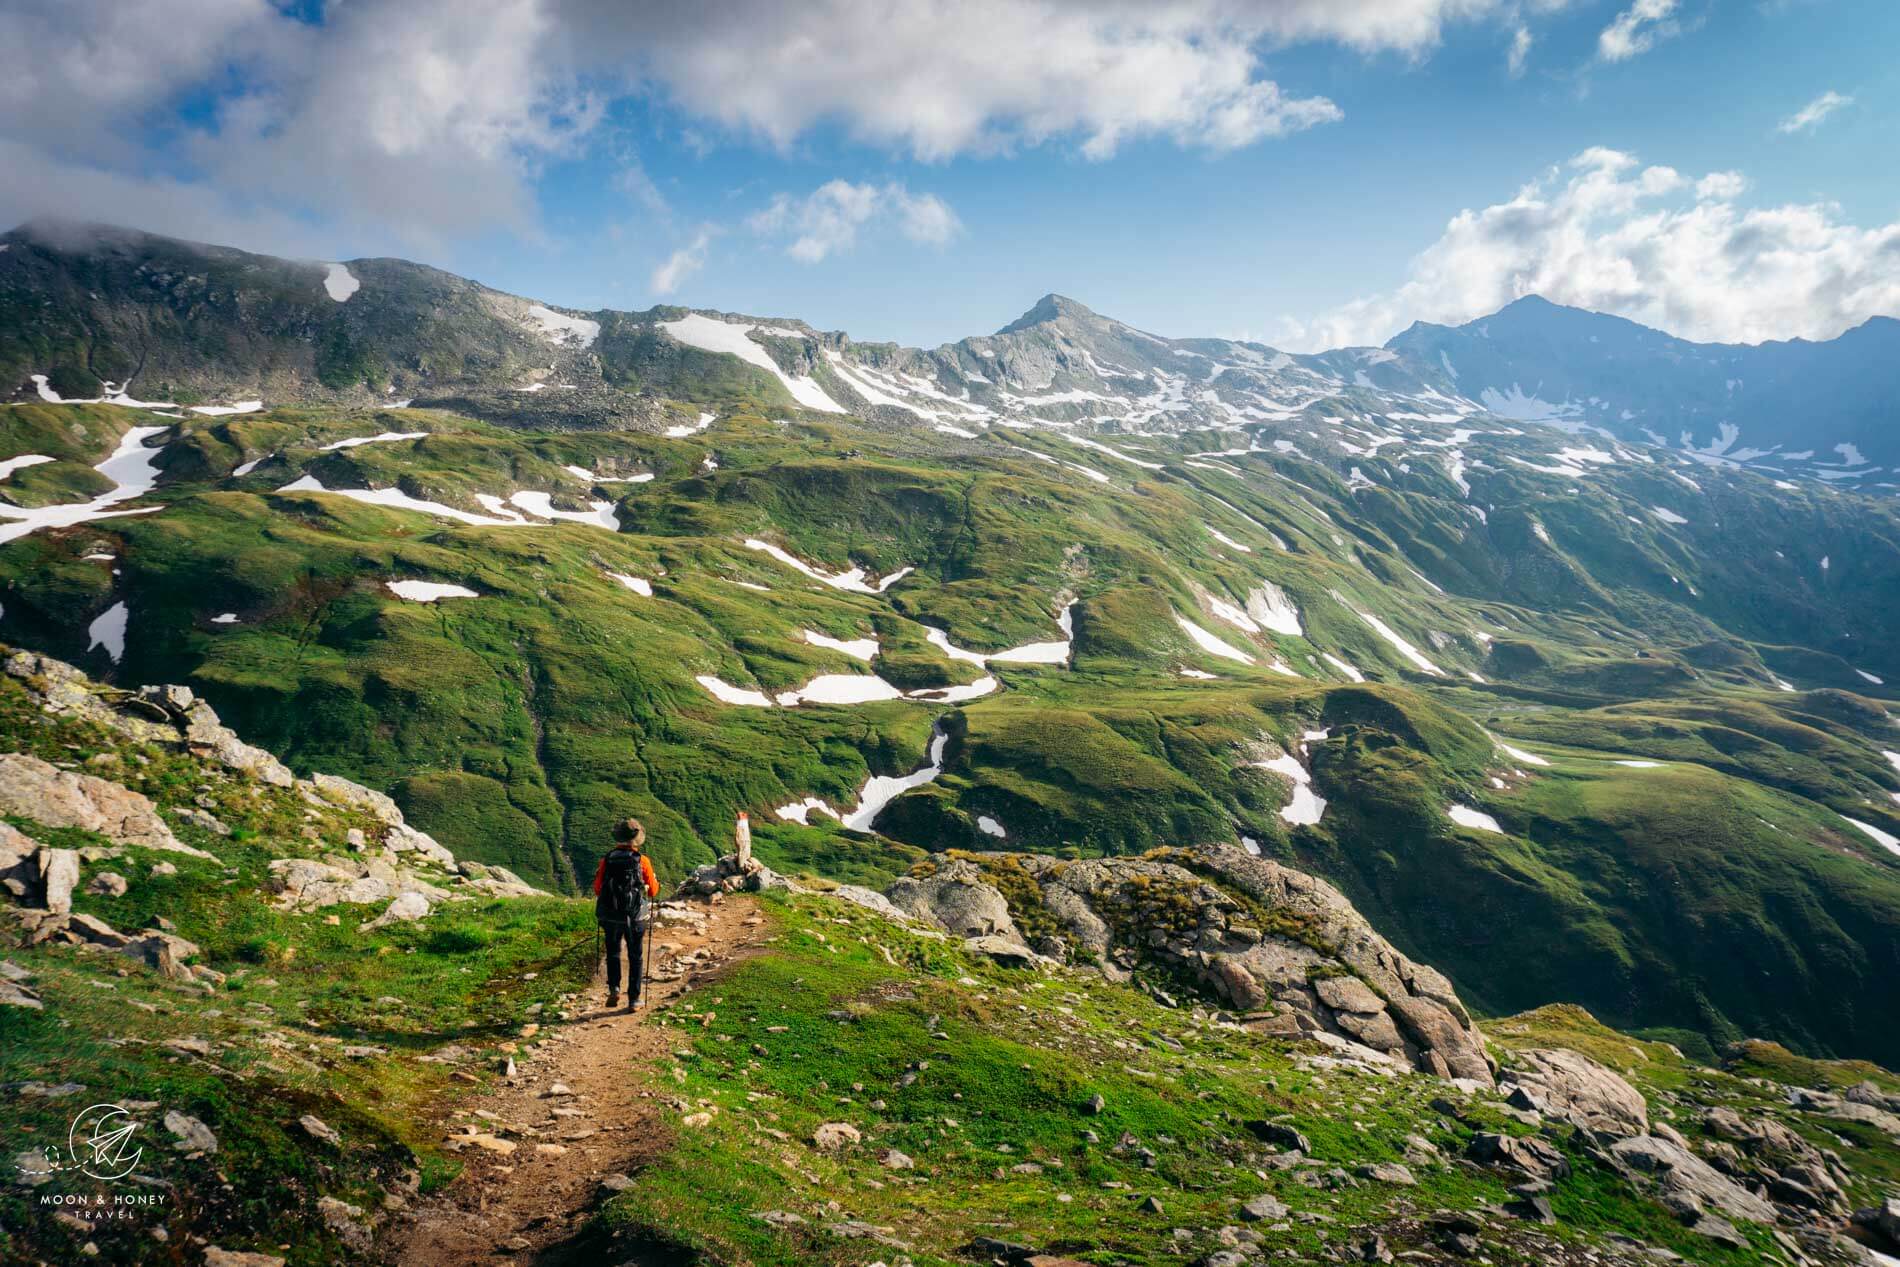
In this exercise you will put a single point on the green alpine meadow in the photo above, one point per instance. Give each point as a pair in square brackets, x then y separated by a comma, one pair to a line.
[1114, 799]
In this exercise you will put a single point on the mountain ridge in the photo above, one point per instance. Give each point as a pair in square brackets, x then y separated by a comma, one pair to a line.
[420, 333]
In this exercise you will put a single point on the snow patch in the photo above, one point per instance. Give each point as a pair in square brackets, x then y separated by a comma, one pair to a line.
[711, 335]
[727, 694]
[1351, 673]
[1465, 816]
[379, 438]
[676, 432]
[1398, 643]
[800, 811]
[852, 580]
[1209, 643]
[1306, 807]
[132, 468]
[558, 327]
[1886, 840]
[990, 827]
[639, 586]
[881, 789]
[858, 648]
[1518, 754]
[9, 465]
[428, 591]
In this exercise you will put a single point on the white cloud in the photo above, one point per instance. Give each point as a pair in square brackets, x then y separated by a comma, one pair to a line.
[680, 265]
[1520, 51]
[984, 76]
[1606, 233]
[431, 119]
[826, 221]
[1809, 117]
[1637, 29]
[924, 218]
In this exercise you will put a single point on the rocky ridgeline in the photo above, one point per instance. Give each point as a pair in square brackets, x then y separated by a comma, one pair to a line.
[385, 859]
[1287, 951]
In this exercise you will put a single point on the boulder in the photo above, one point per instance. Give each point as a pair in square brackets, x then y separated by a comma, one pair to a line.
[107, 884]
[307, 884]
[1264, 1209]
[347, 1223]
[870, 900]
[1336, 980]
[956, 899]
[1004, 950]
[832, 1136]
[19, 864]
[1679, 1171]
[1573, 1088]
[495, 881]
[1526, 1154]
[316, 1128]
[32, 788]
[193, 1136]
[407, 907]
[13, 994]
[206, 736]
[1348, 994]
[59, 872]
[350, 795]
[402, 838]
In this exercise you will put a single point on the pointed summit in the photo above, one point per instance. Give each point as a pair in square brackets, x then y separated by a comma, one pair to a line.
[1049, 309]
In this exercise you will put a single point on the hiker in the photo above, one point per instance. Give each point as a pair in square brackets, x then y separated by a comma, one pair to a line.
[623, 885]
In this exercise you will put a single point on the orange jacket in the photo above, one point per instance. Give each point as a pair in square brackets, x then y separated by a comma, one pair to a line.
[646, 874]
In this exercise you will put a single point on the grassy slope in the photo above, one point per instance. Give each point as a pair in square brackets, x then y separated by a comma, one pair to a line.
[831, 1025]
[298, 991]
[516, 726]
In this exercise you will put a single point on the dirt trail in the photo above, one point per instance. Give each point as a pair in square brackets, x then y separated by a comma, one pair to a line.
[526, 1192]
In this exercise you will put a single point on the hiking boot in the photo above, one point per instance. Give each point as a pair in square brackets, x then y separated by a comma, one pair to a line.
[613, 998]
[633, 1001]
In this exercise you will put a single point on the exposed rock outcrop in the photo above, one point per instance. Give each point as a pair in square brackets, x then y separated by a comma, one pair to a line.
[1277, 944]
[32, 788]
[1571, 1087]
[171, 715]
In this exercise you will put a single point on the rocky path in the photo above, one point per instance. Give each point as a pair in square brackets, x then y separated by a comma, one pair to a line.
[544, 1146]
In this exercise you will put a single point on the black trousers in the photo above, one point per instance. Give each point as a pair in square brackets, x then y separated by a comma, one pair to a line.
[617, 936]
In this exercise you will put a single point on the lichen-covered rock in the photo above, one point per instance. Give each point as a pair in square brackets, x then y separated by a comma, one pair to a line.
[32, 788]
[406, 908]
[958, 900]
[341, 791]
[1676, 1170]
[307, 884]
[1278, 944]
[1570, 1086]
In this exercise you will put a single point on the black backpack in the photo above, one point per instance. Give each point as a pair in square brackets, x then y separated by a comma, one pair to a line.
[623, 892]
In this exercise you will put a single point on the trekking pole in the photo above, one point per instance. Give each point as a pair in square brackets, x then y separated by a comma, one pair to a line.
[646, 953]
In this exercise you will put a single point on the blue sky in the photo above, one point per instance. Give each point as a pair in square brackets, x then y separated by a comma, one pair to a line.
[1281, 169]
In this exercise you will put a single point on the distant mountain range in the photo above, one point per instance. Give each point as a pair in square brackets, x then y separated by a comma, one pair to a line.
[97, 310]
